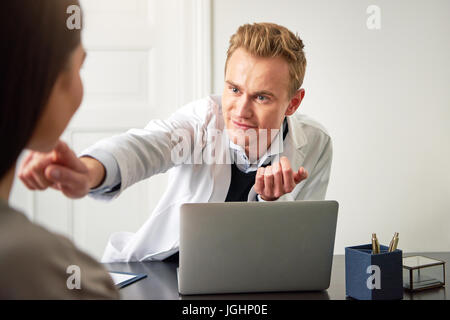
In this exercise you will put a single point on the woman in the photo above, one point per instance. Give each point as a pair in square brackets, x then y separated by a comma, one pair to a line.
[40, 90]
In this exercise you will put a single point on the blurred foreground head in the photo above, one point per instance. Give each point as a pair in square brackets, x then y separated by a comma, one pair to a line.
[40, 87]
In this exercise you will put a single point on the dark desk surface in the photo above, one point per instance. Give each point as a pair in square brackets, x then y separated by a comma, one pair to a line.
[161, 283]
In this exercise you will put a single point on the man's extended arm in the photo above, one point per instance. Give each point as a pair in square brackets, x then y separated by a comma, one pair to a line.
[114, 164]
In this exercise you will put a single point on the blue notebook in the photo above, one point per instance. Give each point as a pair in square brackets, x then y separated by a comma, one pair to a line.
[123, 279]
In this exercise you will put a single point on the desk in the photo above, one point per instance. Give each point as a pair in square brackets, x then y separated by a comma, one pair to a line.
[161, 283]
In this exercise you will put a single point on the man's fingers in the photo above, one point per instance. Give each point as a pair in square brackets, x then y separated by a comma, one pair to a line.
[73, 192]
[36, 169]
[300, 175]
[259, 181]
[288, 177]
[268, 182]
[67, 178]
[69, 192]
[278, 190]
[56, 186]
[25, 161]
[31, 170]
[40, 181]
[30, 185]
[278, 179]
[31, 179]
[59, 169]
[64, 155]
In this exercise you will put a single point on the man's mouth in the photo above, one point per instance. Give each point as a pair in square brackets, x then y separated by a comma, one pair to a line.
[242, 126]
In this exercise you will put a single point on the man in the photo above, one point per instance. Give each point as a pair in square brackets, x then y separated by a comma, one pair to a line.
[266, 152]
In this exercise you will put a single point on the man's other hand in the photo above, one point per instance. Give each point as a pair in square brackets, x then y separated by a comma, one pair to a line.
[278, 179]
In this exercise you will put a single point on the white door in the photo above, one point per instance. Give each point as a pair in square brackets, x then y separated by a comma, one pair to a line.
[145, 59]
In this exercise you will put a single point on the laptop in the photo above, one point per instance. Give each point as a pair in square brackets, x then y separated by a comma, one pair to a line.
[238, 247]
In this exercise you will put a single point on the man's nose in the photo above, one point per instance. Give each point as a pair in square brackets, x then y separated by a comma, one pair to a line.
[243, 107]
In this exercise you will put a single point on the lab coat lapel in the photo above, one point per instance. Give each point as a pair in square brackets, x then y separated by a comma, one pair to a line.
[222, 170]
[295, 141]
[293, 144]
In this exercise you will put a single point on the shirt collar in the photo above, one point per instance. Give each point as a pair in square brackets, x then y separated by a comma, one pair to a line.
[244, 164]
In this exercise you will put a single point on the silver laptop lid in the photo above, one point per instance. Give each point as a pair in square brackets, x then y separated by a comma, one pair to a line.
[256, 246]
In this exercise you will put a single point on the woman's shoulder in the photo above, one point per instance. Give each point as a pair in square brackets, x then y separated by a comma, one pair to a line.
[39, 263]
[19, 233]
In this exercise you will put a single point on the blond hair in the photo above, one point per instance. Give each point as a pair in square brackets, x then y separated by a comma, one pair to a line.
[271, 40]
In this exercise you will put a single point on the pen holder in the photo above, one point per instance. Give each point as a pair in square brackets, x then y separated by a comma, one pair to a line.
[373, 276]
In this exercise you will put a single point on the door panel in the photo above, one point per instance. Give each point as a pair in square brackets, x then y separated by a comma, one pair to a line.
[141, 65]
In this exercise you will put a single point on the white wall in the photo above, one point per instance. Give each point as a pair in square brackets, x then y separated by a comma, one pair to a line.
[384, 97]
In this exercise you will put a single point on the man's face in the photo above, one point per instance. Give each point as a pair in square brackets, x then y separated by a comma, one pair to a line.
[256, 96]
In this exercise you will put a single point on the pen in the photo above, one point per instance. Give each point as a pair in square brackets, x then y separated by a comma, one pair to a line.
[394, 243]
[375, 244]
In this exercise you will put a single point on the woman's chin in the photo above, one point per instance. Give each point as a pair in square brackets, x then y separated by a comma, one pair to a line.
[42, 146]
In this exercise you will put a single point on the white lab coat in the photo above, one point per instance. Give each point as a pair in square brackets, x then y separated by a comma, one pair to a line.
[141, 153]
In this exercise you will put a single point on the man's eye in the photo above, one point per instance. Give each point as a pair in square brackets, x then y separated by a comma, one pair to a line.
[235, 90]
[261, 98]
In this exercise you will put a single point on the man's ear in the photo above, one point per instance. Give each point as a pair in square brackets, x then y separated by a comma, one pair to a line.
[295, 102]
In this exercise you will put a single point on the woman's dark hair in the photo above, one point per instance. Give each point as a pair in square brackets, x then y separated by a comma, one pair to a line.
[35, 46]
